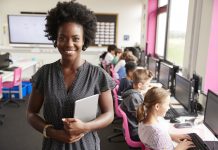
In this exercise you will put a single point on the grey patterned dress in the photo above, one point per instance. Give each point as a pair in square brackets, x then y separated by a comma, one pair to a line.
[58, 103]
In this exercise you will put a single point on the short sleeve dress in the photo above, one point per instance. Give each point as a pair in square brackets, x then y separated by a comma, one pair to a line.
[59, 103]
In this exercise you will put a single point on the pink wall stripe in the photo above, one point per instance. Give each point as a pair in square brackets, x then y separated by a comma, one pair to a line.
[211, 78]
[151, 25]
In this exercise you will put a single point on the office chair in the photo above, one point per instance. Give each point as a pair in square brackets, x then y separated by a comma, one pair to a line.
[129, 141]
[119, 131]
[1, 115]
[112, 73]
[10, 84]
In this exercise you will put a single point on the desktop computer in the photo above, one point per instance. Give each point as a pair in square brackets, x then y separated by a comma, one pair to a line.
[152, 66]
[183, 94]
[210, 121]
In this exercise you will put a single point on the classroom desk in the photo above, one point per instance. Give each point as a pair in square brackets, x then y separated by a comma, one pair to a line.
[25, 65]
[199, 128]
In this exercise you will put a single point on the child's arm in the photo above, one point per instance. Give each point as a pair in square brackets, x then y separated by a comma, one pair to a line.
[180, 137]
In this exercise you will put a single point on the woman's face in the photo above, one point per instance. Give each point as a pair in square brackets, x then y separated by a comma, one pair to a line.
[164, 106]
[70, 40]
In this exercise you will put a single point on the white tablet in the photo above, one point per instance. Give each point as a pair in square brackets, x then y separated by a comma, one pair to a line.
[86, 108]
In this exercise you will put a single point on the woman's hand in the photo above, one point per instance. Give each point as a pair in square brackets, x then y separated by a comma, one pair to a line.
[62, 136]
[74, 126]
[185, 144]
[180, 137]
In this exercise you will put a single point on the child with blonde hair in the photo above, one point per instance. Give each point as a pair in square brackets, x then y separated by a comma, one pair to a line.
[150, 129]
[133, 97]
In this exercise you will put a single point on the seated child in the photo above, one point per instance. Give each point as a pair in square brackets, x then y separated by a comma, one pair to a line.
[118, 53]
[133, 97]
[110, 54]
[127, 81]
[150, 129]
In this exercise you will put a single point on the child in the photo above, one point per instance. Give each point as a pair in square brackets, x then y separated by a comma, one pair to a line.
[118, 53]
[119, 68]
[110, 54]
[127, 81]
[150, 129]
[133, 97]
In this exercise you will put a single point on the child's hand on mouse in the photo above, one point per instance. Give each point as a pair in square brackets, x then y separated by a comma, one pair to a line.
[185, 144]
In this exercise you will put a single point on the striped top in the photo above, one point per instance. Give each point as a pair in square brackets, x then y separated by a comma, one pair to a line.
[59, 103]
[155, 136]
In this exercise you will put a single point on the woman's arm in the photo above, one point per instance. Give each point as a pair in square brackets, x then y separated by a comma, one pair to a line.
[34, 106]
[76, 126]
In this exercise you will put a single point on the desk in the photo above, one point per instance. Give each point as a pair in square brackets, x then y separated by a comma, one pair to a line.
[199, 128]
[25, 65]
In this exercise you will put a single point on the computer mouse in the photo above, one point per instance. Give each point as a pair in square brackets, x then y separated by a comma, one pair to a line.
[174, 120]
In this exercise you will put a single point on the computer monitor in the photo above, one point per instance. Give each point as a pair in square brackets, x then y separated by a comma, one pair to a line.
[164, 74]
[152, 65]
[182, 93]
[211, 113]
[197, 82]
[4, 61]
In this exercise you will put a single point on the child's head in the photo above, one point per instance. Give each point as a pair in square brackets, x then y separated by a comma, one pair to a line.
[118, 52]
[112, 49]
[156, 102]
[130, 68]
[141, 78]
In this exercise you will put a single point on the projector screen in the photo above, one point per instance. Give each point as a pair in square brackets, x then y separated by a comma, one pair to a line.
[26, 29]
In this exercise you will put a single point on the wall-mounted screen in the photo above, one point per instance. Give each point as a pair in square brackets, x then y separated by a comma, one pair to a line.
[27, 29]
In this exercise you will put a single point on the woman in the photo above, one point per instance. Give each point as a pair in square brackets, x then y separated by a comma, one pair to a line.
[151, 131]
[56, 86]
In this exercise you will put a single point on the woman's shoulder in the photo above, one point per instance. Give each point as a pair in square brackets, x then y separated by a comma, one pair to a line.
[92, 66]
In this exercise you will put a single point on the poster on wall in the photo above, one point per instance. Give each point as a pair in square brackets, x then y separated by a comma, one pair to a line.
[106, 30]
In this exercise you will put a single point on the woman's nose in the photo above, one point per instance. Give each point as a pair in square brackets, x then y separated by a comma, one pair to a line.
[70, 43]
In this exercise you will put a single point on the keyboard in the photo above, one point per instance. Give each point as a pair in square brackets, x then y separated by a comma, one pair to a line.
[199, 143]
[171, 114]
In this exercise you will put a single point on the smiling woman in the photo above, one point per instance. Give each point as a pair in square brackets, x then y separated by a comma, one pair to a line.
[56, 86]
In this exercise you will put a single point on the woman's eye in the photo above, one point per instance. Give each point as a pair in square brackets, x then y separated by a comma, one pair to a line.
[76, 39]
[61, 39]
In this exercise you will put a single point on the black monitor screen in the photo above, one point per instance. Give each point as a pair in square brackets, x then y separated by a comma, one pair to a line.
[211, 112]
[164, 74]
[27, 29]
[4, 61]
[152, 65]
[183, 91]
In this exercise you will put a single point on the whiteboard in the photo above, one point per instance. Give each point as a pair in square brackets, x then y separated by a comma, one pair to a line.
[27, 29]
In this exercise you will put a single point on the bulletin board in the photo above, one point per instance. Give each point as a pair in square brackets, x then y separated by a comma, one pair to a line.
[106, 29]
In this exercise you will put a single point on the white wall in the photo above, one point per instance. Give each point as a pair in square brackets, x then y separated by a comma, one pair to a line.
[129, 23]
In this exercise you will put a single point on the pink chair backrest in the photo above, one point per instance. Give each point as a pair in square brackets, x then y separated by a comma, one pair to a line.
[1, 85]
[116, 104]
[112, 72]
[17, 76]
[129, 141]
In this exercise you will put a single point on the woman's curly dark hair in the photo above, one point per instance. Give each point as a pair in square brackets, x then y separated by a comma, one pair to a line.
[71, 12]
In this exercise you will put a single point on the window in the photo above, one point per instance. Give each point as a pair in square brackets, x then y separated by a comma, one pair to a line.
[178, 15]
[161, 34]
[161, 28]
